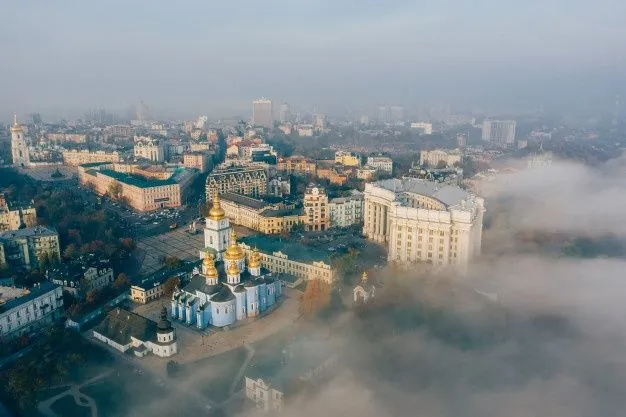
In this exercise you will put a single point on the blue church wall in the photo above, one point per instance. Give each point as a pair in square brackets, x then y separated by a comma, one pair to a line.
[252, 298]
[223, 313]
[262, 297]
[240, 298]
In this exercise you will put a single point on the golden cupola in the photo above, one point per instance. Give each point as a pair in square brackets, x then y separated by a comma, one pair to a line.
[209, 266]
[364, 277]
[255, 259]
[234, 252]
[233, 269]
[216, 212]
[16, 127]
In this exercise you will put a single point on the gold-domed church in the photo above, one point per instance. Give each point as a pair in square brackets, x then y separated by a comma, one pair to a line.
[230, 286]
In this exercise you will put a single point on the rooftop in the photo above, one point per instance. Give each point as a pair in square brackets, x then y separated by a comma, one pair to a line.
[293, 249]
[282, 212]
[449, 195]
[28, 232]
[244, 200]
[136, 180]
[12, 300]
[120, 325]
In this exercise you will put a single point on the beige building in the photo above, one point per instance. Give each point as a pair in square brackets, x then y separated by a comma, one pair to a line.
[196, 160]
[366, 173]
[423, 221]
[67, 137]
[380, 163]
[148, 148]
[259, 215]
[425, 128]
[142, 193]
[346, 211]
[246, 180]
[347, 159]
[315, 209]
[13, 216]
[285, 257]
[75, 158]
[432, 158]
[30, 247]
[297, 165]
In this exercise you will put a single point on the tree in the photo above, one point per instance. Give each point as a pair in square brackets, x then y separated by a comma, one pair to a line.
[115, 190]
[121, 281]
[70, 251]
[172, 262]
[441, 164]
[91, 296]
[170, 285]
[316, 298]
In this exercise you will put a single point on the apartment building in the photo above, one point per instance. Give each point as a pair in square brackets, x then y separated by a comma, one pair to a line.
[75, 157]
[30, 247]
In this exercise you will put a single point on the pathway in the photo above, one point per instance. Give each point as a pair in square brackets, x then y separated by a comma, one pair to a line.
[233, 386]
[80, 399]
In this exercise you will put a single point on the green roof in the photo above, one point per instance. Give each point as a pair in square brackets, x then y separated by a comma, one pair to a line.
[93, 164]
[295, 250]
[136, 180]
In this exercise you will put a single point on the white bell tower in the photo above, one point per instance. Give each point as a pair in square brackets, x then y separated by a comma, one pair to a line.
[19, 148]
[217, 229]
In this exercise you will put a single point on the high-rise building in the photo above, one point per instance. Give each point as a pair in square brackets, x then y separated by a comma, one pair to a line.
[315, 209]
[346, 211]
[262, 113]
[500, 132]
[396, 114]
[285, 113]
[424, 222]
[19, 147]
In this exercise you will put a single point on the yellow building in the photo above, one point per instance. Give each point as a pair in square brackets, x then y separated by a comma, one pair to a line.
[315, 209]
[139, 192]
[12, 216]
[297, 165]
[332, 175]
[347, 159]
[282, 256]
[75, 158]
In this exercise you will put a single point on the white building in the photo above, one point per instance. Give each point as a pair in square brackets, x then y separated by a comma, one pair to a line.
[149, 148]
[124, 331]
[380, 163]
[262, 113]
[19, 147]
[82, 276]
[423, 221]
[432, 158]
[426, 128]
[22, 311]
[346, 211]
[500, 132]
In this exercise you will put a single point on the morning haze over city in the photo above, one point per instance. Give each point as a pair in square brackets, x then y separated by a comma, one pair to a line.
[345, 208]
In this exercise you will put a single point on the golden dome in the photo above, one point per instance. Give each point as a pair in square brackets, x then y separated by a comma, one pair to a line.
[16, 127]
[209, 266]
[233, 269]
[234, 252]
[216, 212]
[364, 276]
[255, 259]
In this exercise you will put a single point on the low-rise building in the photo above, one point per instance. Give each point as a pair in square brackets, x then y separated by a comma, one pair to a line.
[380, 163]
[141, 192]
[30, 247]
[258, 214]
[152, 287]
[148, 148]
[75, 157]
[13, 216]
[347, 159]
[196, 160]
[425, 128]
[126, 331]
[366, 173]
[23, 311]
[67, 137]
[439, 157]
[346, 211]
[290, 257]
[81, 276]
[297, 165]
[332, 174]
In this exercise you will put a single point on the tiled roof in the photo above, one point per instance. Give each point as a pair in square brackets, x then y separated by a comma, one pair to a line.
[120, 325]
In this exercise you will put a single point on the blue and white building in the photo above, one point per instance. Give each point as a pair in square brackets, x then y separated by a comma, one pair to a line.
[234, 288]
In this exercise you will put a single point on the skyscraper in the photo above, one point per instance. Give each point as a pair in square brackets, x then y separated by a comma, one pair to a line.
[262, 113]
[285, 113]
[499, 131]
[19, 147]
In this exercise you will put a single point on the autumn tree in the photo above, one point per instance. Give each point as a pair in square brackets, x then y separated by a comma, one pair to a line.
[315, 299]
[170, 285]
[115, 190]
[121, 281]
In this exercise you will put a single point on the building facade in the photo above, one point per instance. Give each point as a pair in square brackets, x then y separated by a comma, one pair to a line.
[262, 113]
[500, 132]
[149, 148]
[81, 276]
[23, 311]
[140, 192]
[381, 164]
[297, 165]
[30, 247]
[196, 160]
[127, 331]
[346, 211]
[19, 147]
[315, 209]
[423, 221]
[246, 180]
[75, 158]
[425, 128]
[13, 216]
[435, 157]
[347, 159]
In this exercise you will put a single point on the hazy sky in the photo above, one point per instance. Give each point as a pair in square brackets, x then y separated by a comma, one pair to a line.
[200, 56]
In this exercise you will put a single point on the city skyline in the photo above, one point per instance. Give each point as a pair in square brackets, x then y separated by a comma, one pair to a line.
[337, 58]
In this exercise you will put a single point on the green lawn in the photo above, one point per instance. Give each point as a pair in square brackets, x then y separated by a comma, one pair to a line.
[66, 406]
[216, 374]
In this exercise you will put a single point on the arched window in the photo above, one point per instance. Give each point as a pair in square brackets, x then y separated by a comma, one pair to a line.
[217, 310]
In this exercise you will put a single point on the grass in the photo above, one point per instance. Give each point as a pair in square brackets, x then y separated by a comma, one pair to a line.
[66, 406]
[216, 373]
